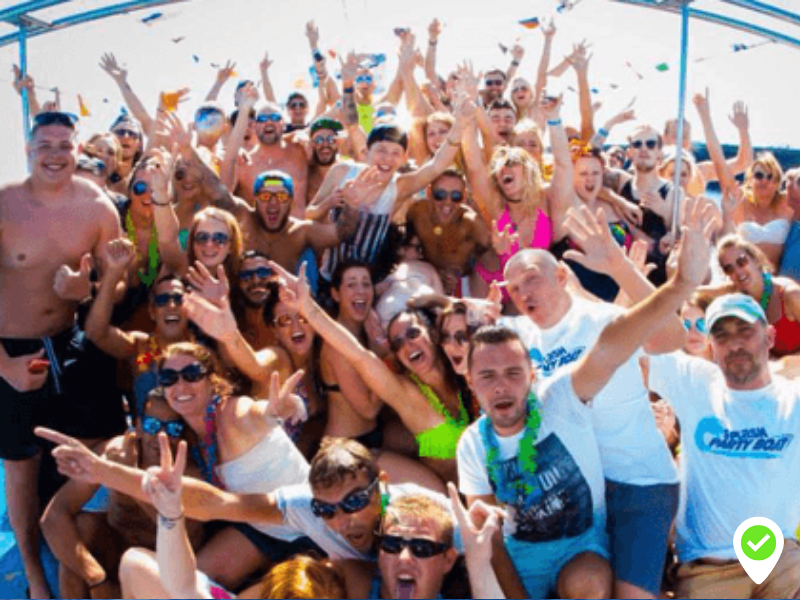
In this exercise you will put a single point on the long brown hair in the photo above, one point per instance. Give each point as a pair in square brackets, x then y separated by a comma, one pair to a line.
[233, 260]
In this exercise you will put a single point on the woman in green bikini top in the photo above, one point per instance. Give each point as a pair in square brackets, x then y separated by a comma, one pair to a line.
[426, 397]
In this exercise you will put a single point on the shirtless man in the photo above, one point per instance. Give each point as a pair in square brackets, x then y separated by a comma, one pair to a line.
[255, 288]
[324, 153]
[89, 544]
[452, 234]
[272, 153]
[271, 229]
[35, 319]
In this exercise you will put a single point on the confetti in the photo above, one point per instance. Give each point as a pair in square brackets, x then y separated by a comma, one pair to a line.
[531, 23]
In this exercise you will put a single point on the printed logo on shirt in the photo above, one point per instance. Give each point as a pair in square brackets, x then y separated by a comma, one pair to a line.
[558, 357]
[561, 504]
[712, 437]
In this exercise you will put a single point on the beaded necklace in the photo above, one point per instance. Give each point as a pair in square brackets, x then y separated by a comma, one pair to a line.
[149, 276]
[506, 490]
[765, 295]
[433, 400]
[206, 454]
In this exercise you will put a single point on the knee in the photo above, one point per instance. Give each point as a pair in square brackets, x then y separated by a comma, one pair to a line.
[136, 568]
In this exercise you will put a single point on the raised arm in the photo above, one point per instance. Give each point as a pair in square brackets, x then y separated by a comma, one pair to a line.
[227, 172]
[620, 338]
[721, 168]
[108, 63]
[487, 198]
[549, 32]
[561, 193]
[415, 100]
[434, 31]
[266, 84]
[27, 85]
[580, 62]
[112, 340]
[517, 53]
[223, 75]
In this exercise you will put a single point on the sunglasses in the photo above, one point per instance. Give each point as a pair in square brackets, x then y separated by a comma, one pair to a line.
[353, 502]
[161, 300]
[180, 174]
[699, 325]
[330, 140]
[140, 188]
[281, 196]
[411, 333]
[494, 82]
[651, 144]
[55, 118]
[459, 337]
[364, 79]
[151, 426]
[741, 261]
[287, 320]
[520, 89]
[274, 117]
[219, 238]
[297, 105]
[388, 112]
[260, 272]
[190, 374]
[761, 176]
[420, 547]
[440, 195]
[130, 133]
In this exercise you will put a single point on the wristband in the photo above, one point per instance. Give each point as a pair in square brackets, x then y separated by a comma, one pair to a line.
[168, 522]
[317, 55]
[515, 63]
[432, 42]
[348, 90]
[603, 132]
[554, 123]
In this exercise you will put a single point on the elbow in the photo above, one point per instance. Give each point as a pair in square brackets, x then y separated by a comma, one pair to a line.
[52, 524]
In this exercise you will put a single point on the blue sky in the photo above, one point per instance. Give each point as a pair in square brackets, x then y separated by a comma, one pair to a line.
[764, 77]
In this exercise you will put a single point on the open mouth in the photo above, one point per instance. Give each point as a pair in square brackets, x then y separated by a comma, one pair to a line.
[172, 319]
[457, 360]
[360, 306]
[504, 405]
[384, 168]
[415, 356]
[298, 338]
[405, 587]
[54, 168]
[184, 399]
[507, 179]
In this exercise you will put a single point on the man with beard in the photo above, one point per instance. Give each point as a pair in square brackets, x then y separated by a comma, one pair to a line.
[42, 359]
[739, 452]
[536, 453]
[89, 540]
[256, 285]
[271, 229]
[452, 233]
[648, 190]
[324, 152]
[273, 153]
[494, 86]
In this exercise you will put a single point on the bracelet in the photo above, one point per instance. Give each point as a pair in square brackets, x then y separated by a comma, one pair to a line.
[317, 55]
[603, 132]
[515, 63]
[348, 90]
[168, 522]
[554, 123]
[159, 203]
[99, 583]
[432, 42]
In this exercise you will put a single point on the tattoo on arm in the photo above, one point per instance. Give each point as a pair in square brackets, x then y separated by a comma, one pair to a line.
[350, 110]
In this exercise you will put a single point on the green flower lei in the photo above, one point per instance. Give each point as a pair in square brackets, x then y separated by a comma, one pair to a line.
[149, 276]
[510, 491]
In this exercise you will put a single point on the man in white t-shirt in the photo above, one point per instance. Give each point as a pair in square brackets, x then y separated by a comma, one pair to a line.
[738, 453]
[559, 328]
[539, 458]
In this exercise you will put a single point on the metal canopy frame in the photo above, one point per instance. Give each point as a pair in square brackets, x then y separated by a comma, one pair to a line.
[28, 26]
[682, 7]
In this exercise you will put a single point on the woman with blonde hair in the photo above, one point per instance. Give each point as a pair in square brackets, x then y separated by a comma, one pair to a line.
[528, 136]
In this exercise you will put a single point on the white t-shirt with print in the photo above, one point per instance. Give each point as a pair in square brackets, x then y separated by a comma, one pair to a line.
[632, 448]
[739, 455]
[570, 496]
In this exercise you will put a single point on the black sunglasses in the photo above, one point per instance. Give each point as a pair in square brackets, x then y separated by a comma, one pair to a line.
[190, 374]
[761, 176]
[56, 118]
[297, 105]
[494, 82]
[260, 272]
[219, 238]
[411, 333]
[353, 502]
[126, 133]
[651, 144]
[420, 547]
[161, 300]
[440, 195]
[459, 337]
[741, 261]
[151, 426]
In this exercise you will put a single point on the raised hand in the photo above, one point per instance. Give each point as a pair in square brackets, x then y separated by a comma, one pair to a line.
[739, 117]
[349, 67]
[73, 458]
[434, 30]
[468, 83]
[503, 241]
[214, 289]
[284, 404]
[697, 226]
[74, 285]
[598, 250]
[702, 102]
[214, 318]
[298, 296]
[580, 57]
[312, 33]
[170, 126]
[226, 72]
[360, 190]
[248, 97]
[517, 52]
[265, 63]
[21, 82]
[163, 484]
[476, 537]
[108, 62]
[548, 29]
[118, 255]
[551, 107]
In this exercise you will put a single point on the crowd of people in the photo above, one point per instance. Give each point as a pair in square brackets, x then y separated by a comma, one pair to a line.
[298, 350]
